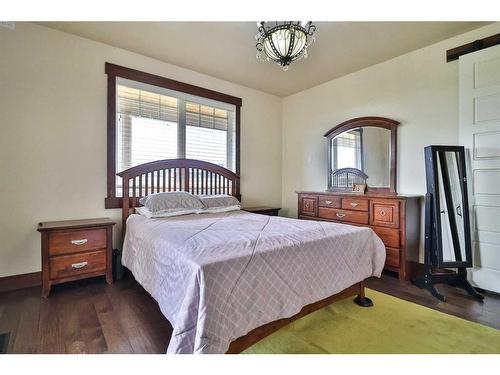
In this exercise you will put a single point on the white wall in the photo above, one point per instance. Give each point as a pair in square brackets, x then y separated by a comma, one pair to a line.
[53, 135]
[418, 89]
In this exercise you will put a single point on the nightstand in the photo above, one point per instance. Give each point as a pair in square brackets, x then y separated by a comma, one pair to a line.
[263, 210]
[75, 249]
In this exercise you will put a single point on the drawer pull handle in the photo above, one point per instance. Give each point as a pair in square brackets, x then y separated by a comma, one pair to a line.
[79, 265]
[382, 213]
[328, 202]
[340, 215]
[79, 242]
[353, 204]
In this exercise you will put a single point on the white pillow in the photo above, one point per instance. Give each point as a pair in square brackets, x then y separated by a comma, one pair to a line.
[217, 201]
[171, 202]
[143, 211]
[215, 210]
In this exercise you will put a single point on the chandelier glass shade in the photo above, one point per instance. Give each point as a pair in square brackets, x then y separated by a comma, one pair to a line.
[284, 42]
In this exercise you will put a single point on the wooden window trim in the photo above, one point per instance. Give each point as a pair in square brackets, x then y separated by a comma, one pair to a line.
[113, 71]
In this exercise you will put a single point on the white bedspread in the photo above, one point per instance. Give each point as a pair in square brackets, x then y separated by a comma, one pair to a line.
[218, 276]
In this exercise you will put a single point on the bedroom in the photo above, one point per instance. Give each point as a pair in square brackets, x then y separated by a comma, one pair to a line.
[85, 101]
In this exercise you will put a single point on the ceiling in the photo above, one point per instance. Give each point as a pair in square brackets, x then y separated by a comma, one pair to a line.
[226, 50]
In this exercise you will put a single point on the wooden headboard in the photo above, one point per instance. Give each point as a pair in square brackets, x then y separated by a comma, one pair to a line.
[194, 176]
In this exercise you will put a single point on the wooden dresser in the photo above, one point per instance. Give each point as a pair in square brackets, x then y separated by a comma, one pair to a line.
[394, 218]
[75, 249]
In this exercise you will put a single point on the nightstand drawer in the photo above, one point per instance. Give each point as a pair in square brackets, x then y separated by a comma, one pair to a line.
[77, 264]
[75, 241]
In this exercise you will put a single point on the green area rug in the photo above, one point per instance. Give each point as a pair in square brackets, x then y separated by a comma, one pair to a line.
[391, 326]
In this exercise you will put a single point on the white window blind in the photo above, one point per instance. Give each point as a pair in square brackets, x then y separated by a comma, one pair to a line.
[154, 123]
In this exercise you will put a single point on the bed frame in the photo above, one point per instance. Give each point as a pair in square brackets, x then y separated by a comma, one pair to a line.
[200, 177]
[194, 176]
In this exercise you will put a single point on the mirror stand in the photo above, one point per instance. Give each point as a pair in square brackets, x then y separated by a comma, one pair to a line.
[447, 225]
[428, 279]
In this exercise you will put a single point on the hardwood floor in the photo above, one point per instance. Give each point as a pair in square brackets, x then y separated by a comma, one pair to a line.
[89, 316]
[86, 316]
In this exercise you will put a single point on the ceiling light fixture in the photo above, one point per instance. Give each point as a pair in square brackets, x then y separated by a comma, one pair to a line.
[284, 42]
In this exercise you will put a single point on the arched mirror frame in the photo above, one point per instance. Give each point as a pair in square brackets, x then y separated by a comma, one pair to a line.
[378, 122]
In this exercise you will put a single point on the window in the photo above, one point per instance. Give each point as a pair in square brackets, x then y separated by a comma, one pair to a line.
[152, 118]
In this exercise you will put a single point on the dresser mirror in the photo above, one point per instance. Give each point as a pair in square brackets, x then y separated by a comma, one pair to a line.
[363, 151]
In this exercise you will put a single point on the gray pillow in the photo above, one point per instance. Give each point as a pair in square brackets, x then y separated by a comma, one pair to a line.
[219, 201]
[171, 201]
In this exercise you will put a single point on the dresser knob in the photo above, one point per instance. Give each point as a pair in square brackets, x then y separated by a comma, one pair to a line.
[353, 204]
[328, 202]
[338, 214]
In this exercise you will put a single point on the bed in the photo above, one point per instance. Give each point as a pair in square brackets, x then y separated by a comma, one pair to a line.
[226, 280]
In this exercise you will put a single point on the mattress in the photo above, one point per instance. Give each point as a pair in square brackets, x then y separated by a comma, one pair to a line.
[218, 276]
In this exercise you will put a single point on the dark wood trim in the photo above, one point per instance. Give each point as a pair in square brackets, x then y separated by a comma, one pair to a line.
[152, 79]
[111, 141]
[238, 137]
[257, 334]
[113, 71]
[378, 122]
[477, 45]
[25, 280]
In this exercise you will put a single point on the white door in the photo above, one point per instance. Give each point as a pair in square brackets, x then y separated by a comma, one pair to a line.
[479, 108]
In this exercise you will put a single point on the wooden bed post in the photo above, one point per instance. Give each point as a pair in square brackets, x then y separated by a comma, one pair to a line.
[125, 203]
[361, 299]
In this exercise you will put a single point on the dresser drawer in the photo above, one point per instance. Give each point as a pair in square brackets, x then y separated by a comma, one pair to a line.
[307, 205]
[329, 201]
[77, 264]
[344, 215]
[75, 241]
[392, 257]
[355, 204]
[390, 237]
[384, 214]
